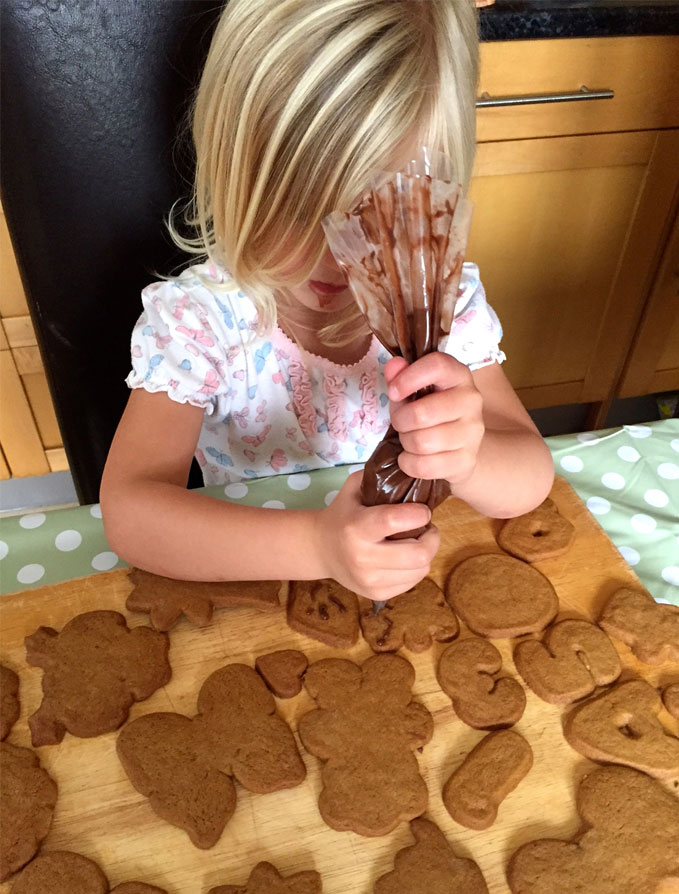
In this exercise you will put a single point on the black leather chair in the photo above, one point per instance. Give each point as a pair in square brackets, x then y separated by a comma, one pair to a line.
[93, 95]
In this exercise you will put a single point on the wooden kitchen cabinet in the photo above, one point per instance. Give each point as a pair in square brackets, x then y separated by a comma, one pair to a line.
[569, 228]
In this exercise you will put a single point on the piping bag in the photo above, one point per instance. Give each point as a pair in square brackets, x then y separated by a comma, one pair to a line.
[402, 249]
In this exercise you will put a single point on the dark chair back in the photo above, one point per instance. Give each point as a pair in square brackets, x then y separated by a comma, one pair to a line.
[93, 95]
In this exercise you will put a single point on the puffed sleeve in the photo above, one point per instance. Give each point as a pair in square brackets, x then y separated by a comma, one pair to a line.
[176, 347]
[476, 331]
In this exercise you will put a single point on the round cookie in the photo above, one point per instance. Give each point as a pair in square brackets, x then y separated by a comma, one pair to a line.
[61, 872]
[541, 534]
[498, 596]
[28, 795]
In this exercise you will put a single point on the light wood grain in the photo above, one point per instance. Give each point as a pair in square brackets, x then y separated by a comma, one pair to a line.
[100, 815]
[18, 432]
[642, 71]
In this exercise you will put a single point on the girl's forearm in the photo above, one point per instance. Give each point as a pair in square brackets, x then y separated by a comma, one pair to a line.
[514, 473]
[169, 530]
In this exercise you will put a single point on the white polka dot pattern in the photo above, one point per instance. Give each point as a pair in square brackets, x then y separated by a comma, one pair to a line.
[571, 464]
[613, 481]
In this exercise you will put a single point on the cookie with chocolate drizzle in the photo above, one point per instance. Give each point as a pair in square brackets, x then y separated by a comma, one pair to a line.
[324, 610]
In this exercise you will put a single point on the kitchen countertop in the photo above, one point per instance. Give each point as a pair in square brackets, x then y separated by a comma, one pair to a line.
[528, 19]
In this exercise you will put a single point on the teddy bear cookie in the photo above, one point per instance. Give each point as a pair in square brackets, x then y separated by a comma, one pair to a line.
[541, 534]
[166, 599]
[628, 844]
[94, 670]
[487, 775]
[185, 766]
[430, 866]
[28, 795]
[9, 701]
[468, 673]
[621, 726]
[63, 872]
[649, 628]
[324, 610]
[282, 671]
[266, 879]
[498, 596]
[573, 658]
[414, 619]
[365, 729]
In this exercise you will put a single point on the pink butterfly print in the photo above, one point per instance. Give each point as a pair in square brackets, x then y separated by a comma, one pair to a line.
[333, 453]
[241, 415]
[291, 433]
[231, 354]
[288, 406]
[305, 445]
[197, 335]
[162, 341]
[277, 378]
[200, 456]
[257, 440]
[462, 320]
[173, 383]
[261, 412]
[211, 383]
[180, 306]
[356, 419]
[279, 354]
[216, 362]
[239, 374]
[278, 460]
[192, 349]
[250, 454]
[136, 351]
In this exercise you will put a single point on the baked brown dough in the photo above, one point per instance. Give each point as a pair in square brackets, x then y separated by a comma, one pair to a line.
[541, 534]
[414, 619]
[629, 841]
[498, 596]
[282, 671]
[649, 628]
[63, 872]
[94, 670]
[166, 599]
[266, 879]
[324, 610]
[28, 795]
[9, 700]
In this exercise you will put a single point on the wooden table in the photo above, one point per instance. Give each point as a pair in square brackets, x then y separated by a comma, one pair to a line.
[100, 815]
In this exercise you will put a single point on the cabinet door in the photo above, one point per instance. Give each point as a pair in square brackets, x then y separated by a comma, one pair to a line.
[653, 363]
[566, 233]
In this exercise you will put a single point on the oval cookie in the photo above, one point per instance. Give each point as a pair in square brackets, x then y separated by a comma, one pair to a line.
[499, 596]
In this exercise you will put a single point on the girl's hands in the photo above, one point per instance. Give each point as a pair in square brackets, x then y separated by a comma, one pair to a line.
[353, 545]
[441, 433]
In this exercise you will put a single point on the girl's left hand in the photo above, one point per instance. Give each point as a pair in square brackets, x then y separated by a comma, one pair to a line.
[441, 433]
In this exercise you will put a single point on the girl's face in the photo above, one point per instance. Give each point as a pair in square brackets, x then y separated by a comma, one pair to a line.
[326, 290]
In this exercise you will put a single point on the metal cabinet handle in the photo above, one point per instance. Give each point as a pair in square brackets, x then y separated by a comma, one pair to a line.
[491, 102]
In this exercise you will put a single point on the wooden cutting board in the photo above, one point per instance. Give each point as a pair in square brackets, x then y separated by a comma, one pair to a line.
[100, 815]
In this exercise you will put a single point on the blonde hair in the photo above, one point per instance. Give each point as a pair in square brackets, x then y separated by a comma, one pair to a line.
[300, 101]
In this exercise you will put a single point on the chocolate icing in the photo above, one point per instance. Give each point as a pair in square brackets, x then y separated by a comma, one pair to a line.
[402, 250]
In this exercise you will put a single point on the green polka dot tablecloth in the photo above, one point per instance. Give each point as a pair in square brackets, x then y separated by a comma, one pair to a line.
[628, 478]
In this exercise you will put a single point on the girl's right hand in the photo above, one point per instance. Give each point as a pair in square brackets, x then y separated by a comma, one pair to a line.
[354, 549]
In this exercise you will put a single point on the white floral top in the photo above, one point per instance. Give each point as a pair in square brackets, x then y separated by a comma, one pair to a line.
[268, 409]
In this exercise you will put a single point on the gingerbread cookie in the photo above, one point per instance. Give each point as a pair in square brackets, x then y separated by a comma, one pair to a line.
[573, 658]
[185, 766]
[629, 843]
[63, 872]
[365, 730]
[622, 726]
[324, 610]
[166, 599]
[93, 672]
[9, 700]
[649, 628]
[430, 866]
[414, 620]
[266, 879]
[487, 775]
[498, 596]
[468, 673]
[283, 671]
[28, 795]
[541, 534]
[670, 697]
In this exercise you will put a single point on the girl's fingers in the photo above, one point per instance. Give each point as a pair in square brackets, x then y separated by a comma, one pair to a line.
[436, 409]
[376, 523]
[408, 555]
[437, 369]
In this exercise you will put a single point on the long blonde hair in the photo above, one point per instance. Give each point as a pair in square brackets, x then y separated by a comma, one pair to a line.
[300, 101]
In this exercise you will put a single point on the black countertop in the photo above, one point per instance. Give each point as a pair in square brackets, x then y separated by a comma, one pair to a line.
[526, 19]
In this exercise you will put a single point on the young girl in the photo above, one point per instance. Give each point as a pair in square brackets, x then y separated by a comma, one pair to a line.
[269, 368]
